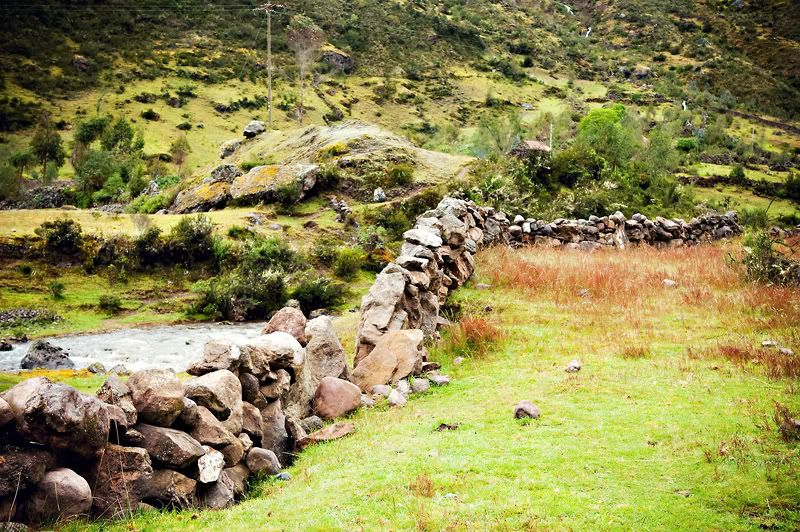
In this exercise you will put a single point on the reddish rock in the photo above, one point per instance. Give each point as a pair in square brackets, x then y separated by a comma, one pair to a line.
[117, 393]
[289, 320]
[168, 487]
[170, 447]
[208, 430]
[21, 468]
[397, 355]
[336, 397]
[218, 391]
[119, 480]
[331, 432]
[216, 356]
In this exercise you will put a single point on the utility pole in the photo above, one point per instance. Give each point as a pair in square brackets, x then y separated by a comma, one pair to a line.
[269, 8]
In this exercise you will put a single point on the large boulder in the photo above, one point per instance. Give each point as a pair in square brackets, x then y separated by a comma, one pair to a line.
[219, 391]
[6, 414]
[269, 352]
[336, 397]
[289, 320]
[275, 437]
[220, 494]
[261, 183]
[21, 468]
[228, 148]
[168, 487]
[216, 356]
[253, 128]
[397, 355]
[119, 480]
[170, 447]
[252, 423]
[62, 494]
[208, 430]
[202, 197]
[115, 392]
[59, 416]
[44, 355]
[262, 461]
[157, 395]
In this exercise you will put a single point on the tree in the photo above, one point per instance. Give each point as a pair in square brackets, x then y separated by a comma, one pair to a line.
[21, 160]
[661, 158]
[86, 133]
[497, 134]
[95, 169]
[305, 38]
[119, 137]
[47, 145]
[610, 133]
[9, 184]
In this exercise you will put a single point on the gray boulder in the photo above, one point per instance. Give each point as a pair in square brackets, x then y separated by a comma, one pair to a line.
[115, 392]
[220, 391]
[43, 355]
[254, 128]
[262, 461]
[59, 416]
[170, 447]
[62, 494]
[21, 468]
[157, 395]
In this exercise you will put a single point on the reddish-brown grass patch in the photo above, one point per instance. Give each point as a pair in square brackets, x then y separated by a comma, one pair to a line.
[775, 364]
[472, 336]
[635, 352]
[422, 486]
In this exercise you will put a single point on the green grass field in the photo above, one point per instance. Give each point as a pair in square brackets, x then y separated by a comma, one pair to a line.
[660, 430]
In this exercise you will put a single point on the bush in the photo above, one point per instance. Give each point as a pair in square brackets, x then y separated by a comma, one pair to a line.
[150, 204]
[56, 289]
[287, 197]
[62, 236]
[94, 170]
[149, 114]
[268, 254]
[326, 250]
[687, 144]
[737, 174]
[399, 174]
[240, 296]
[191, 241]
[237, 232]
[755, 218]
[9, 184]
[110, 303]
[763, 263]
[348, 262]
[149, 247]
[319, 293]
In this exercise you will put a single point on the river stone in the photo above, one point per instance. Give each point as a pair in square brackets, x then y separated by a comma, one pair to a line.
[403, 387]
[21, 468]
[397, 355]
[219, 391]
[311, 424]
[59, 416]
[62, 494]
[208, 430]
[381, 389]
[168, 487]
[526, 409]
[43, 355]
[170, 447]
[269, 352]
[220, 494]
[439, 380]
[118, 422]
[289, 320]
[190, 414]
[210, 465]
[216, 356]
[6, 414]
[233, 453]
[275, 437]
[396, 398]
[238, 474]
[157, 395]
[119, 480]
[115, 392]
[250, 389]
[278, 387]
[262, 461]
[252, 424]
[420, 385]
[335, 398]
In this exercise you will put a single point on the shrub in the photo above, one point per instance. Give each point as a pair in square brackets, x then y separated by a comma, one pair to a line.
[325, 250]
[332, 150]
[763, 263]
[268, 254]
[9, 184]
[110, 303]
[399, 174]
[94, 170]
[287, 197]
[755, 218]
[687, 144]
[317, 293]
[25, 269]
[149, 114]
[56, 289]
[149, 247]
[191, 241]
[737, 174]
[237, 232]
[240, 296]
[61, 236]
[150, 204]
[348, 262]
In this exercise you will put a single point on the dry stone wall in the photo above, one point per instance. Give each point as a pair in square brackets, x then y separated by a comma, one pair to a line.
[437, 256]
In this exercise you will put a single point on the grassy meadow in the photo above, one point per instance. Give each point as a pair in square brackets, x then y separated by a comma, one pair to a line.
[668, 425]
